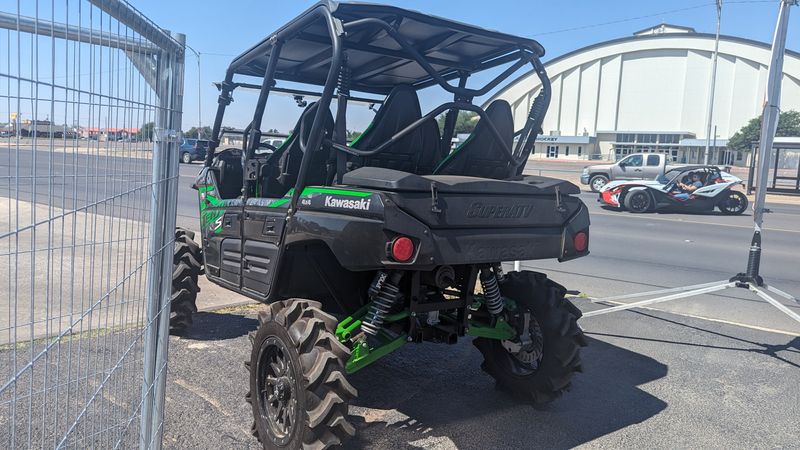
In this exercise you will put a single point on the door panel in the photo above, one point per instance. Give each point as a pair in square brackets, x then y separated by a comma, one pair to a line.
[262, 231]
[231, 255]
[652, 167]
[259, 261]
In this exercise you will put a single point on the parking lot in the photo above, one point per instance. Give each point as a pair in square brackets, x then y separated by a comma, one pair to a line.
[716, 371]
[713, 371]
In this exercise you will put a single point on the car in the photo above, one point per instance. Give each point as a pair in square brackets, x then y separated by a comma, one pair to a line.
[665, 194]
[637, 166]
[193, 150]
[360, 248]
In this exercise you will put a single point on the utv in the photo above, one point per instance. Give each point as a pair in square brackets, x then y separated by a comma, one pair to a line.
[360, 248]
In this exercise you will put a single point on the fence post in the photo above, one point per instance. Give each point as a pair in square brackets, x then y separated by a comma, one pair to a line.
[169, 76]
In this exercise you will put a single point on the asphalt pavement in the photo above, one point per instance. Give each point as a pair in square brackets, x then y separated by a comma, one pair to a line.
[651, 380]
[716, 371]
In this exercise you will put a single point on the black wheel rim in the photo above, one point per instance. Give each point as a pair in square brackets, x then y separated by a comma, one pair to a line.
[732, 204]
[527, 358]
[639, 202]
[277, 390]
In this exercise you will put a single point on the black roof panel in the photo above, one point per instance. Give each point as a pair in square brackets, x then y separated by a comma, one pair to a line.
[378, 63]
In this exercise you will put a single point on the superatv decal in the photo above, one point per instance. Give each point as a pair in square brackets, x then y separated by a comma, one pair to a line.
[486, 211]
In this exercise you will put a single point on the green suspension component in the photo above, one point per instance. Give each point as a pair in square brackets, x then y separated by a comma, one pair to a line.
[501, 330]
[362, 354]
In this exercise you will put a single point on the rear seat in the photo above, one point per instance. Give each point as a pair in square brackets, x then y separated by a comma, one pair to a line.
[417, 152]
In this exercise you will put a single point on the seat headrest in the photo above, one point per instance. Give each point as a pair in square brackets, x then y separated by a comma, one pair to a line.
[400, 109]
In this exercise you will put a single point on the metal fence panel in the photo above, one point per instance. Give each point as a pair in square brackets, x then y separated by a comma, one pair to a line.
[90, 91]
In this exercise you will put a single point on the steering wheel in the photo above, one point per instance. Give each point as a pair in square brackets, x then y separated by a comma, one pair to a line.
[267, 146]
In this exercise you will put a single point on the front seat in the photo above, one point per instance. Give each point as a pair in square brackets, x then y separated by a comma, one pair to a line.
[227, 168]
[417, 152]
[283, 165]
[482, 155]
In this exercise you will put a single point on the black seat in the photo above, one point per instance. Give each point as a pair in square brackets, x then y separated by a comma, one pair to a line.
[227, 168]
[482, 155]
[417, 152]
[280, 173]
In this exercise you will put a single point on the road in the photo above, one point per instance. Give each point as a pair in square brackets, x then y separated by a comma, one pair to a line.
[628, 252]
[715, 371]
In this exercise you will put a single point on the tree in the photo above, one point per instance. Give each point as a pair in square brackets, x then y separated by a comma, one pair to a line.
[204, 133]
[353, 135]
[465, 122]
[145, 133]
[272, 131]
[749, 135]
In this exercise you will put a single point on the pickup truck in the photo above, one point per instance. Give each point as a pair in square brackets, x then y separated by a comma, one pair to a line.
[637, 166]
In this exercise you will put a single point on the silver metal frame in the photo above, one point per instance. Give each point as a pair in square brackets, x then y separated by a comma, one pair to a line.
[104, 355]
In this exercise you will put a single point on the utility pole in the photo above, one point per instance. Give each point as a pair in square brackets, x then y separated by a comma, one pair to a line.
[714, 146]
[713, 82]
[199, 104]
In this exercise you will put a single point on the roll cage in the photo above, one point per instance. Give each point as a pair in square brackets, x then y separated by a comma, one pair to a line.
[371, 48]
[712, 172]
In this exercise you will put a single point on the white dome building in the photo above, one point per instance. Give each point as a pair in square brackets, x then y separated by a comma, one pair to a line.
[649, 92]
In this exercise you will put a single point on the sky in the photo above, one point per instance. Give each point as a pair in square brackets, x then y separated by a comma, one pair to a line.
[220, 30]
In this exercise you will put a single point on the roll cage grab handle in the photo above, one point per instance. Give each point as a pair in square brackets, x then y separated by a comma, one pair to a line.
[336, 30]
[417, 123]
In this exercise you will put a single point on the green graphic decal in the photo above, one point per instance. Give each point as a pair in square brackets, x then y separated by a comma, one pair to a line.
[213, 217]
[310, 191]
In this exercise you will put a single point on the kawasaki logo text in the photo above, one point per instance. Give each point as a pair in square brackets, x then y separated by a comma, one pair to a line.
[360, 204]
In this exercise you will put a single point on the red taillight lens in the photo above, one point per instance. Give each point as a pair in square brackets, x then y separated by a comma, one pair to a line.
[402, 249]
[580, 241]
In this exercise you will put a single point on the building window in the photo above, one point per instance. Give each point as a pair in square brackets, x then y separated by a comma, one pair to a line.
[647, 138]
[580, 150]
[738, 156]
[566, 151]
[626, 137]
[668, 138]
[552, 151]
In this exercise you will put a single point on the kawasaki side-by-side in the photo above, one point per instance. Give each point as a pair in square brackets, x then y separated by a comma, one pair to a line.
[395, 238]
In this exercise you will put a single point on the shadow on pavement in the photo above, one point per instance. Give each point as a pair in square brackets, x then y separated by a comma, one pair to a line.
[771, 350]
[407, 402]
[211, 326]
[672, 212]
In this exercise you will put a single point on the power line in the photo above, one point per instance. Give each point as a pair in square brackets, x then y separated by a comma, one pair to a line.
[647, 16]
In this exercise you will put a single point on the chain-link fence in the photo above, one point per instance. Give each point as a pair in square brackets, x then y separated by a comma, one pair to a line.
[89, 93]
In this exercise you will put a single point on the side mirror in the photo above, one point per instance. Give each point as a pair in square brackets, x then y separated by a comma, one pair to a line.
[622, 164]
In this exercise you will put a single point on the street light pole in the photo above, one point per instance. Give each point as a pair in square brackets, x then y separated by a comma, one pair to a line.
[713, 83]
[199, 104]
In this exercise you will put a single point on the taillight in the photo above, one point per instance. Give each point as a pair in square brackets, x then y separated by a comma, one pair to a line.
[580, 241]
[402, 249]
